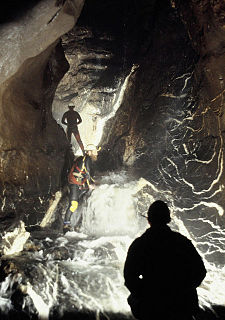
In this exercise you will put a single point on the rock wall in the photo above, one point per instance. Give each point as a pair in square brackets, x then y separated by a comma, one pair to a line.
[99, 61]
[102, 50]
[204, 22]
[149, 76]
[170, 126]
[32, 64]
[167, 125]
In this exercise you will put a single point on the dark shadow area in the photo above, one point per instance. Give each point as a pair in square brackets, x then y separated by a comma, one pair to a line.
[217, 313]
[126, 22]
[69, 157]
[19, 315]
[14, 9]
[91, 315]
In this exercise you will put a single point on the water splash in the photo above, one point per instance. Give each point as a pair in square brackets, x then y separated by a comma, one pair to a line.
[84, 270]
[113, 214]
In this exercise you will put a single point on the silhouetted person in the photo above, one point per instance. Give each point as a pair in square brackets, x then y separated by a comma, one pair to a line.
[80, 180]
[71, 119]
[162, 271]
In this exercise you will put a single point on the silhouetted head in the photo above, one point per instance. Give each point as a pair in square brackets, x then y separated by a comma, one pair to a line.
[158, 213]
[71, 106]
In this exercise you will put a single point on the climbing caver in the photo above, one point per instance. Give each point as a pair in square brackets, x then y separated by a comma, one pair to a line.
[80, 180]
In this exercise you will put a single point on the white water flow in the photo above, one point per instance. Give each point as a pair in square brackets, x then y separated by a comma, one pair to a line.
[84, 270]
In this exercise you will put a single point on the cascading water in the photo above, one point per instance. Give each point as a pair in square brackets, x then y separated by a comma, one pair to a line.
[83, 271]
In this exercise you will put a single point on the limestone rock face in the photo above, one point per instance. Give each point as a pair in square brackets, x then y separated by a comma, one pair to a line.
[171, 122]
[102, 50]
[205, 23]
[147, 79]
[166, 122]
[32, 64]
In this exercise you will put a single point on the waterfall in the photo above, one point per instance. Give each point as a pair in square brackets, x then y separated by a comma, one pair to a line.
[83, 270]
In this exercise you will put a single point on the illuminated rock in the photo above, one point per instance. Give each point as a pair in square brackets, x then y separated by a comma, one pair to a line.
[13, 242]
[155, 71]
[32, 145]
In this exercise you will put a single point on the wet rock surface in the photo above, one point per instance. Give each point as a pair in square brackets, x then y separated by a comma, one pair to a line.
[168, 127]
[158, 123]
[148, 80]
[55, 261]
[58, 276]
[32, 65]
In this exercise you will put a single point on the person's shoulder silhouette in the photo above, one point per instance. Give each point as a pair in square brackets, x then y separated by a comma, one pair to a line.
[71, 116]
[163, 270]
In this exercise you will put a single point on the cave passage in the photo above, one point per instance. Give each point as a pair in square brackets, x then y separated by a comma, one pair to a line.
[147, 78]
